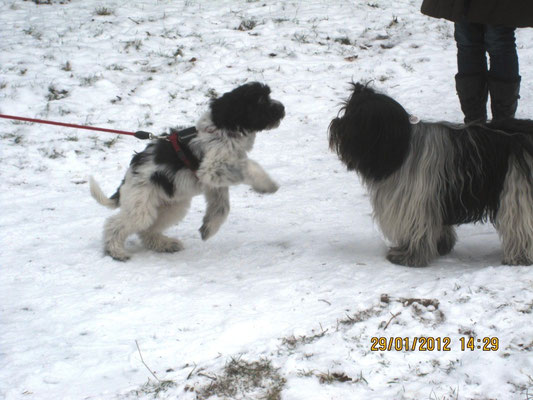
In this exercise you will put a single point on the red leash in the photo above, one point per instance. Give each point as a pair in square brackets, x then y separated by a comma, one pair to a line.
[139, 134]
[172, 138]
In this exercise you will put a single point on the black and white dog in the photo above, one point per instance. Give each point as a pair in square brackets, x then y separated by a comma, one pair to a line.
[161, 181]
[424, 177]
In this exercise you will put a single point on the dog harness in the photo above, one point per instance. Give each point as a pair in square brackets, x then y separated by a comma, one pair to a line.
[180, 142]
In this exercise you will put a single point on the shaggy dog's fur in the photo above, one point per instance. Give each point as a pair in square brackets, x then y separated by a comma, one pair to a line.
[424, 177]
[157, 189]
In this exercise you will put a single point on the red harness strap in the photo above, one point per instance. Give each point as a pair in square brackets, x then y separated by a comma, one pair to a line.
[173, 138]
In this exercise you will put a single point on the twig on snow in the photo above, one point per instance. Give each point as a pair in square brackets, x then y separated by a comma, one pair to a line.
[391, 318]
[213, 378]
[190, 373]
[142, 359]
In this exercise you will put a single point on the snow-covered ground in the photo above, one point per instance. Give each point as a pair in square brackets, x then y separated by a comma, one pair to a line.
[284, 301]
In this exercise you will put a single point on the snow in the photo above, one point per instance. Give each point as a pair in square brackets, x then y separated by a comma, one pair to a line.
[295, 283]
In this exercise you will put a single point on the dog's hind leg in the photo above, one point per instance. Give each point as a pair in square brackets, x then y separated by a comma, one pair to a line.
[116, 230]
[514, 220]
[217, 211]
[136, 215]
[167, 216]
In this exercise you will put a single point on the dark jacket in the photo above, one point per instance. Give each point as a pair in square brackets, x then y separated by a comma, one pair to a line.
[512, 13]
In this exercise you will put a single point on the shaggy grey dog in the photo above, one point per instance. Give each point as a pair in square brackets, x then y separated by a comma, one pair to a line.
[424, 178]
[161, 181]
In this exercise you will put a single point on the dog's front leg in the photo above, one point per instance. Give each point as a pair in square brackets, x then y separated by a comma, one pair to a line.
[217, 211]
[258, 179]
[418, 253]
[419, 256]
[214, 172]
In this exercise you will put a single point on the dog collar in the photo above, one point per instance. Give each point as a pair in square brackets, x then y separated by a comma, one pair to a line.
[180, 142]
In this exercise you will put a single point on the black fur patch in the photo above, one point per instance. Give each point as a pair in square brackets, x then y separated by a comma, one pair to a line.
[158, 178]
[481, 160]
[372, 136]
[521, 130]
[482, 157]
[166, 155]
[161, 152]
[141, 158]
[247, 107]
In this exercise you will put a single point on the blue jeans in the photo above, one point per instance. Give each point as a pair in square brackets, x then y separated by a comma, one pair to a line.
[475, 40]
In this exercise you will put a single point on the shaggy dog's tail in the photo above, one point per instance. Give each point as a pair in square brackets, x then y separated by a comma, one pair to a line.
[110, 202]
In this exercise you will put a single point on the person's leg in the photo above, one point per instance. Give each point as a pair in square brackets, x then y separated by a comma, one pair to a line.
[503, 77]
[501, 46]
[471, 78]
[470, 39]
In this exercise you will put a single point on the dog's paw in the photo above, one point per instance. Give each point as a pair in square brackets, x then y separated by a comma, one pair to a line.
[206, 232]
[163, 244]
[117, 256]
[271, 187]
[172, 246]
[400, 256]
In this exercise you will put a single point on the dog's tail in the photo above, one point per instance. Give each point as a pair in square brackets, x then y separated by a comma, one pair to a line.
[110, 202]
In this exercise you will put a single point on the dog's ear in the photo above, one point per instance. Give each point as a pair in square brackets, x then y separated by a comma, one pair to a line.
[260, 88]
[230, 110]
[225, 112]
[373, 135]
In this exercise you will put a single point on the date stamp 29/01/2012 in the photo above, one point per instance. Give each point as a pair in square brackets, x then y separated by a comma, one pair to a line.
[433, 343]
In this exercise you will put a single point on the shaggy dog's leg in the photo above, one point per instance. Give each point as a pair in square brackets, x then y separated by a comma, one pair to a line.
[258, 179]
[408, 220]
[514, 221]
[416, 249]
[447, 240]
[168, 215]
[217, 211]
[118, 227]
[411, 255]
[138, 211]
[116, 230]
